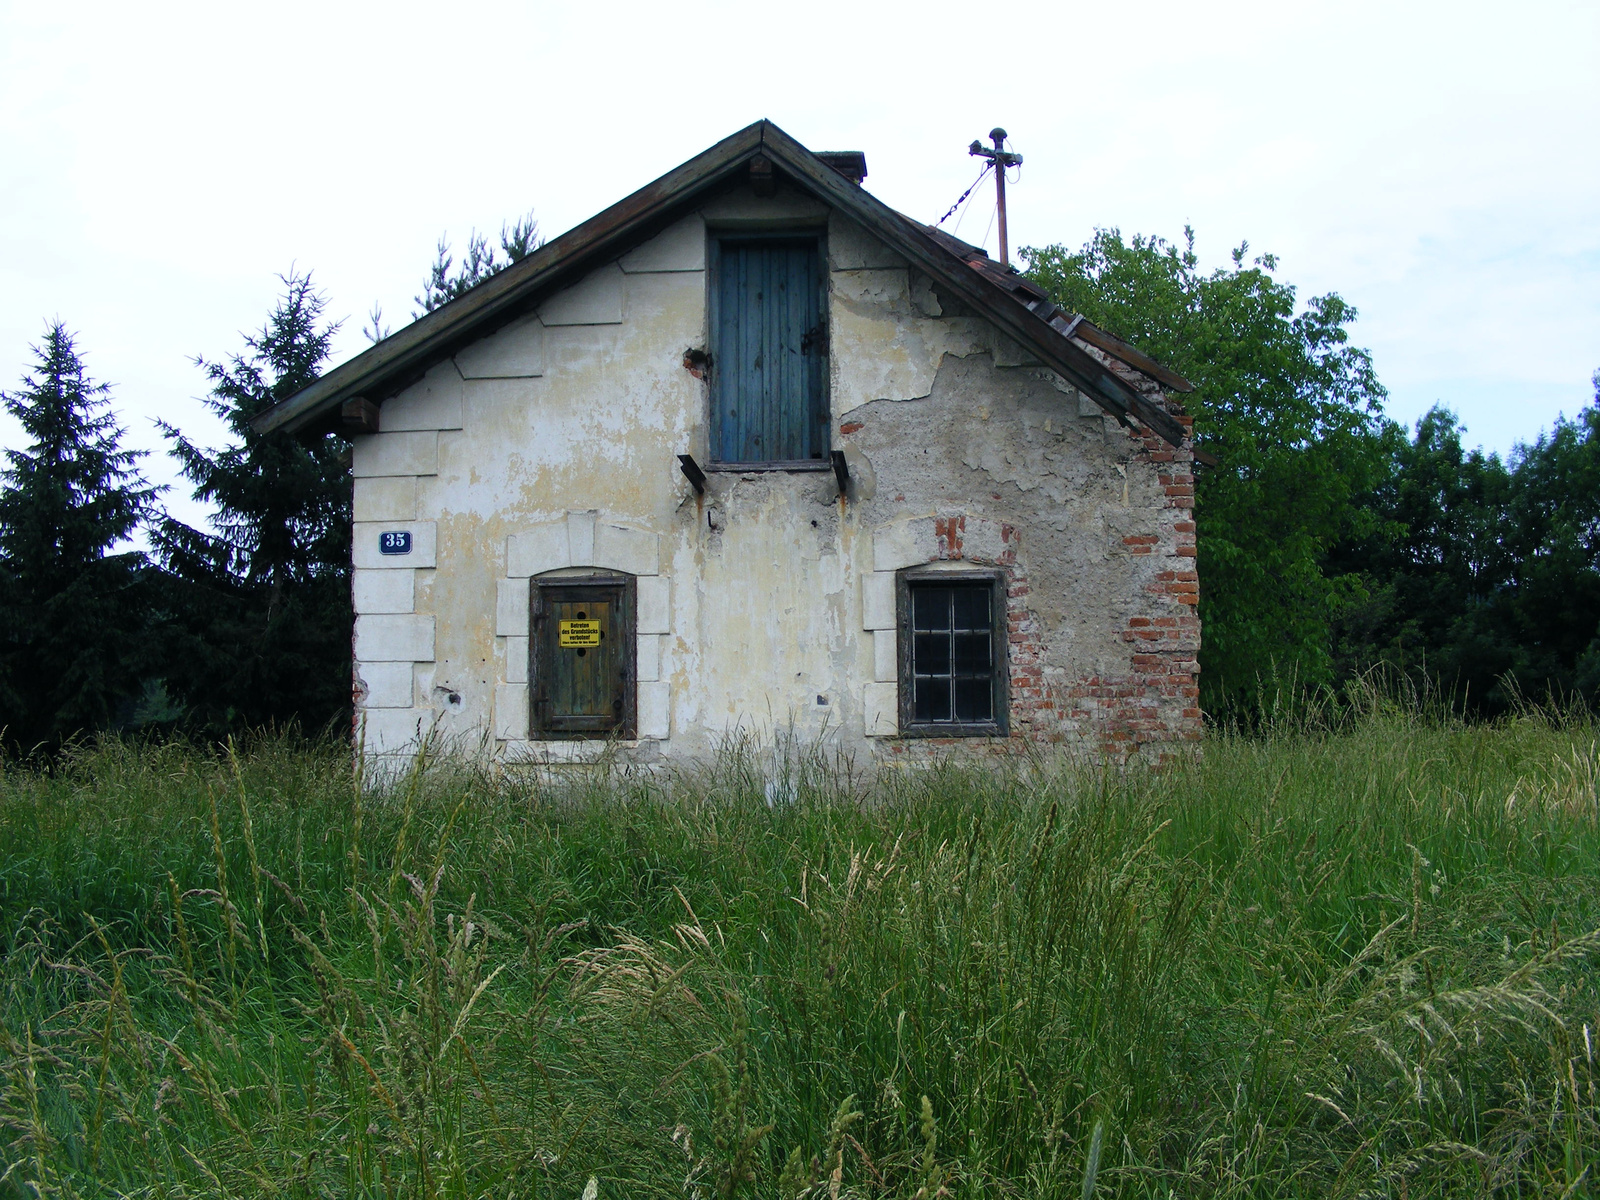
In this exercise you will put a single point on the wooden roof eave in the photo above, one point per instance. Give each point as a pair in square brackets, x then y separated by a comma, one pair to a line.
[1034, 324]
[1005, 310]
[434, 336]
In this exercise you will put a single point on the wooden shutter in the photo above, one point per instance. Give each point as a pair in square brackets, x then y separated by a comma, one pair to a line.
[582, 651]
[769, 354]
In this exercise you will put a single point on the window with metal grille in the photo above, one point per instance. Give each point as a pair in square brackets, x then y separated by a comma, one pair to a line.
[769, 352]
[952, 655]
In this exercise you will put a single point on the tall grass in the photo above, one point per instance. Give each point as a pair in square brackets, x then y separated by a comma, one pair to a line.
[1350, 962]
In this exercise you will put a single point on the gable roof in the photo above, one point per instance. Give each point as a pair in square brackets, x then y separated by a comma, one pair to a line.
[1065, 343]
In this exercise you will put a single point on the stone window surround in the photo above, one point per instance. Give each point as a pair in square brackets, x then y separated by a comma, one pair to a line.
[953, 541]
[580, 540]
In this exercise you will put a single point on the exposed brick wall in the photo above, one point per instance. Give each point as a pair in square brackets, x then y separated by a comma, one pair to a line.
[1151, 708]
[1155, 705]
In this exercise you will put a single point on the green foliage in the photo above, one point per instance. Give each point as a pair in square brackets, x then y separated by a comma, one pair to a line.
[482, 262]
[259, 627]
[1360, 961]
[1288, 406]
[1486, 577]
[72, 646]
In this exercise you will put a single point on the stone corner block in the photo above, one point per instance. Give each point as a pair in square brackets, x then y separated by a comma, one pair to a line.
[434, 402]
[383, 591]
[908, 543]
[385, 498]
[881, 705]
[580, 537]
[654, 598]
[516, 651]
[885, 656]
[537, 550]
[596, 299]
[366, 540]
[647, 658]
[510, 711]
[635, 551]
[655, 711]
[984, 541]
[386, 684]
[393, 730]
[511, 607]
[394, 637]
[878, 600]
[514, 352]
[413, 453]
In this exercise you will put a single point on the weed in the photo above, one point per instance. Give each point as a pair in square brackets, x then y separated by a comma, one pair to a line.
[1348, 954]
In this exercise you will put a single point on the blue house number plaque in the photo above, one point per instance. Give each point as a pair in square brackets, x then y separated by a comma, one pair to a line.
[394, 541]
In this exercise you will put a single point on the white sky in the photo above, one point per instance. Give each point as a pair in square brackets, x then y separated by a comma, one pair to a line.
[1434, 163]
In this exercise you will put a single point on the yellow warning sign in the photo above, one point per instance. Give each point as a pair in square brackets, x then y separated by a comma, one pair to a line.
[579, 633]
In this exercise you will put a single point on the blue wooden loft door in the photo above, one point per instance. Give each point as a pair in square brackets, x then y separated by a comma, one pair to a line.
[769, 398]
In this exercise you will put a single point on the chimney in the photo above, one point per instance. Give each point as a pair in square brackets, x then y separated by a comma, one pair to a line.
[852, 164]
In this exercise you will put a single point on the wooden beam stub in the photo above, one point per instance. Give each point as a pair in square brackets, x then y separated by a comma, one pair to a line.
[359, 415]
[761, 177]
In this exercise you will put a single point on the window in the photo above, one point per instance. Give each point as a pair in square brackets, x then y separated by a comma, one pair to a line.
[769, 352]
[581, 658]
[952, 655]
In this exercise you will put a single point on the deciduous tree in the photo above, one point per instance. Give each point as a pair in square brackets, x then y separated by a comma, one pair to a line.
[1290, 409]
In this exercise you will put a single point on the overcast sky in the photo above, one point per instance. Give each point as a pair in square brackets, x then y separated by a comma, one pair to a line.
[1436, 164]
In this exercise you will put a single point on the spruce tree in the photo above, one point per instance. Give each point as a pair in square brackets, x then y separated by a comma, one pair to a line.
[74, 606]
[261, 631]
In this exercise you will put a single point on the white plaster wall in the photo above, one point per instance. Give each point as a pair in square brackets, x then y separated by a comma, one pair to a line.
[552, 444]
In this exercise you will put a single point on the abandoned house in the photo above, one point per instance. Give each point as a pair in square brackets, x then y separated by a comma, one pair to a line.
[751, 450]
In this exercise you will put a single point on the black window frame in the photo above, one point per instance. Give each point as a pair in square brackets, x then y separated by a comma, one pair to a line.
[908, 581]
[542, 590]
[816, 235]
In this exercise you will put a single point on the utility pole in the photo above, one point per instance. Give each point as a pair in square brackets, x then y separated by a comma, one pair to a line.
[1000, 159]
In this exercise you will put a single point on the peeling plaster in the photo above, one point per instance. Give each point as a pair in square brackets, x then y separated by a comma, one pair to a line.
[584, 409]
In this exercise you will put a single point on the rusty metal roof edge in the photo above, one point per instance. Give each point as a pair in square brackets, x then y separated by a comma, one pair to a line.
[426, 337]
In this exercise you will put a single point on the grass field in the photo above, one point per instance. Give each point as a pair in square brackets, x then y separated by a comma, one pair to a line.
[1359, 962]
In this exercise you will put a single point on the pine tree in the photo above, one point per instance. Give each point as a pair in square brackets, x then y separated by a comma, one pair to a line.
[72, 644]
[482, 262]
[262, 606]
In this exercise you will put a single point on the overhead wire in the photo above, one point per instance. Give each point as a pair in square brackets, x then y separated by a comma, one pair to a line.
[960, 200]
